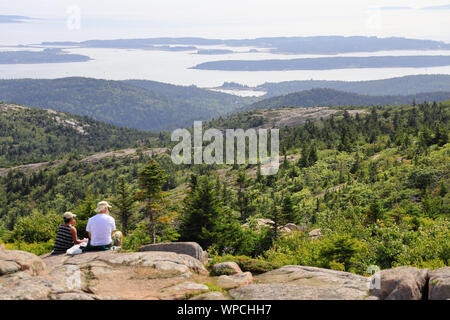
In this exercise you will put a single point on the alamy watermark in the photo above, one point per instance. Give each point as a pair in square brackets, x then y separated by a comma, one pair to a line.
[73, 21]
[235, 153]
[374, 281]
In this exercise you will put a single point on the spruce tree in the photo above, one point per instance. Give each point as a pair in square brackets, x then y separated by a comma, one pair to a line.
[202, 212]
[287, 209]
[281, 212]
[151, 179]
[243, 199]
[124, 202]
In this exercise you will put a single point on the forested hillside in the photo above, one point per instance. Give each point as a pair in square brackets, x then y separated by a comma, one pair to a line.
[147, 105]
[30, 135]
[330, 97]
[374, 183]
[190, 94]
[395, 86]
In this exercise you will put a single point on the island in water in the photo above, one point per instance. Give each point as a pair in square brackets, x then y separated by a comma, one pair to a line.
[49, 55]
[327, 63]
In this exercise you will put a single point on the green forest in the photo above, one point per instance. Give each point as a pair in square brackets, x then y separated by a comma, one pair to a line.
[375, 184]
[406, 85]
[30, 135]
[324, 97]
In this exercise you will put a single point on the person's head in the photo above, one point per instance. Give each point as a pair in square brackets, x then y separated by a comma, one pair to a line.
[103, 207]
[69, 218]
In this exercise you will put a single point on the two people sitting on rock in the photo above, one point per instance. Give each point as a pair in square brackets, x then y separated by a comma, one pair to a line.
[66, 236]
[101, 229]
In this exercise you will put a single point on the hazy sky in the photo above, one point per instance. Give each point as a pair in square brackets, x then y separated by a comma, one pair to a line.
[109, 19]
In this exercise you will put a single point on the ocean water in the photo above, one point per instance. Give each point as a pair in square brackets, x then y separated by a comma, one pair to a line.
[174, 67]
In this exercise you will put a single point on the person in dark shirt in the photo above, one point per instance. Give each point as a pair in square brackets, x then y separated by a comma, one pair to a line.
[66, 236]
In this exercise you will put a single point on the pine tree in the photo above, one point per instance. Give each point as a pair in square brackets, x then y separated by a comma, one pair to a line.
[243, 200]
[308, 156]
[374, 213]
[440, 135]
[287, 209]
[303, 162]
[443, 189]
[313, 157]
[276, 216]
[281, 212]
[259, 176]
[203, 211]
[356, 165]
[151, 179]
[124, 201]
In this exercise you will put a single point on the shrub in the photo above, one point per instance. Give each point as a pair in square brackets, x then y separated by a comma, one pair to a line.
[295, 249]
[136, 238]
[35, 248]
[422, 177]
[37, 227]
[337, 266]
[340, 249]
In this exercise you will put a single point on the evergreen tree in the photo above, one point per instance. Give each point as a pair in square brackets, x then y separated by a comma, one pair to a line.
[287, 209]
[124, 202]
[243, 199]
[375, 212]
[281, 213]
[202, 211]
[443, 189]
[151, 179]
[258, 172]
[313, 157]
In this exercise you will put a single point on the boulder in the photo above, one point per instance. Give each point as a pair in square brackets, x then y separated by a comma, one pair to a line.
[304, 283]
[225, 268]
[183, 289]
[315, 233]
[192, 249]
[189, 286]
[165, 261]
[22, 288]
[73, 296]
[162, 275]
[285, 230]
[7, 267]
[212, 295]
[402, 283]
[294, 227]
[439, 284]
[235, 280]
[100, 275]
[15, 260]
[259, 223]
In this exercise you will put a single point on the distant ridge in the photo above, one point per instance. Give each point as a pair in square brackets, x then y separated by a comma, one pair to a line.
[406, 85]
[330, 97]
[140, 104]
[297, 45]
